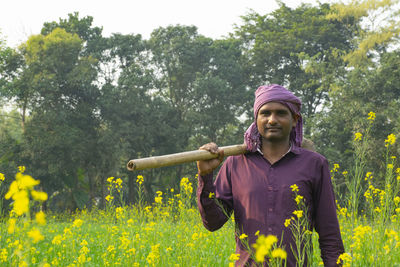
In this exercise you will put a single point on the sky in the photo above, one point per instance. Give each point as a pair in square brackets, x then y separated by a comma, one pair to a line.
[214, 18]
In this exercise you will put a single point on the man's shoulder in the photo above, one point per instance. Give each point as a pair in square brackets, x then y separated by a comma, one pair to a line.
[309, 154]
[243, 157]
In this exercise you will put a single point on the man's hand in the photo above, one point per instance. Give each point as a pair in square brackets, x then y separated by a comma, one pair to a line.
[207, 166]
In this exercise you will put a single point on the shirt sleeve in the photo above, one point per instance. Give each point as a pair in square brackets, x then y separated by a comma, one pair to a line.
[326, 221]
[214, 199]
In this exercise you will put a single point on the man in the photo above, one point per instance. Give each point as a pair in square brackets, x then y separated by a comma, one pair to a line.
[256, 186]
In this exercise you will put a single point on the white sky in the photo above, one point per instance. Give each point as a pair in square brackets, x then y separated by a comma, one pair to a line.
[214, 18]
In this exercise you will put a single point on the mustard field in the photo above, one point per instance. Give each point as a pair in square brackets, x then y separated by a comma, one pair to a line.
[169, 231]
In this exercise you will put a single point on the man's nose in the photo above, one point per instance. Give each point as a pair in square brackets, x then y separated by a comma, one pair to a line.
[272, 119]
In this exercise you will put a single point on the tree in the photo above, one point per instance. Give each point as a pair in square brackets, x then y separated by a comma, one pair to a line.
[61, 135]
[282, 45]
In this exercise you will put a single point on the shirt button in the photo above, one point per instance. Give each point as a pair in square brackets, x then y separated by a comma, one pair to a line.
[270, 188]
[269, 229]
[270, 209]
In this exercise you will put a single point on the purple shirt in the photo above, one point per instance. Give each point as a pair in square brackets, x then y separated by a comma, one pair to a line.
[260, 196]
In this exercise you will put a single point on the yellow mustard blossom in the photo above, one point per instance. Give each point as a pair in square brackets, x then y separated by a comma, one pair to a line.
[234, 257]
[21, 169]
[3, 255]
[154, 254]
[35, 235]
[57, 240]
[257, 233]
[279, 253]
[109, 198]
[110, 179]
[40, 218]
[25, 181]
[345, 173]
[243, 236]
[11, 225]
[391, 139]
[2, 178]
[139, 179]
[195, 236]
[39, 196]
[263, 246]
[335, 167]
[211, 195]
[344, 258]
[77, 223]
[21, 202]
[158, 198]
[298, 213]
[390, 166]
[287, 222]
[371, 116]
[357, 136]
[294, 188]
[298, 199]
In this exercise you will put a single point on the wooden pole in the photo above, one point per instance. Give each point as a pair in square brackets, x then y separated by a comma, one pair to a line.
[183, 157]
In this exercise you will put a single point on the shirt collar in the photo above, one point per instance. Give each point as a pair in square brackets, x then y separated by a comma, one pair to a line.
[292, 148]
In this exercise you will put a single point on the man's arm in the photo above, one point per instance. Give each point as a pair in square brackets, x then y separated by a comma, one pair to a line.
[215, 203]
[326, 222]
[214, 212]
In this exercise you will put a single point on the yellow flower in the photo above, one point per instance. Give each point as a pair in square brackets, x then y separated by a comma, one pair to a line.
[211, 195]
[109, 198]
[298, 213]
[195, 236]
[57, 240]
[242, 236]
[298, 199]
[158, 200]
[2, 178]
[345, 258]
[390, 166]
[371, 116]
[294, 188]
[118, 182]
[263, 246]
[278, 253]
[39, 196]
[25, 181]
[257, 233]
[335, 167]
[40, 217]
[35, 235]
[110, 179]
[287, 222]
[344, 173]
[11, 225]
[21, 202]
[391, 139]
[12, 190]
[234, 257]
[139, 179]
[357, 136]
[3, 255]
[21, 169]
[77, 223]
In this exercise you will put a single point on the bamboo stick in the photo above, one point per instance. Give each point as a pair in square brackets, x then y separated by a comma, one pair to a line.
[183, 157]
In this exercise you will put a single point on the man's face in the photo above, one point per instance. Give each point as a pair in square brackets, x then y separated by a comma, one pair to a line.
[275, 122]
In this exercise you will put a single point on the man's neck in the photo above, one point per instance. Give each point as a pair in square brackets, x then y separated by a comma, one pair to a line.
[274, 151]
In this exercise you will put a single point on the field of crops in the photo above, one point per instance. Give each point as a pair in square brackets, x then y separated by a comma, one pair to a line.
[169, 232]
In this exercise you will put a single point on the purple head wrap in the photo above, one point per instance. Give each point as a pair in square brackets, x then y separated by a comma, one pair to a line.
[274, 93]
